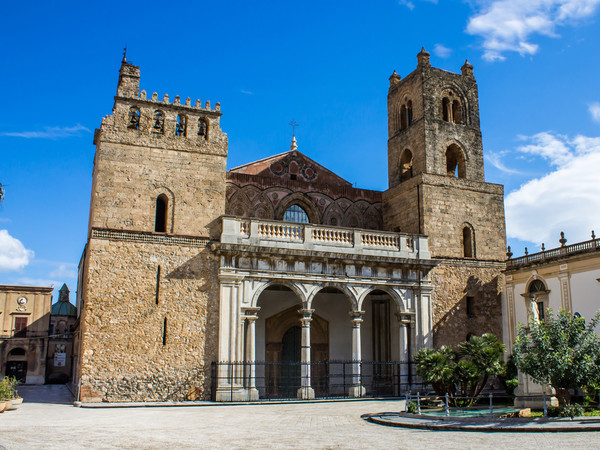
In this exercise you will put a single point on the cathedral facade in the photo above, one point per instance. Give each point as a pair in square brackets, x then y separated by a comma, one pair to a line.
[278, 278]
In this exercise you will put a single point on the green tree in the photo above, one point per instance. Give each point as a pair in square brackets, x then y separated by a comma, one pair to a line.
[560, 351]
[464, 371]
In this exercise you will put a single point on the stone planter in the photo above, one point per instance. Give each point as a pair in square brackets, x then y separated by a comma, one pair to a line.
[16, 402]
[7, 405]
[2, 405]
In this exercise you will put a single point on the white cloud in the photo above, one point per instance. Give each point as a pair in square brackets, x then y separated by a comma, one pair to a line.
[594, 109]
[565, 199]
[49, 132]
[410, 5]
[243, 91]
[13, 254]
[37, 282]
[553, 148]
[495, 159]
[64, 270]
[510, 25]
[441, 51]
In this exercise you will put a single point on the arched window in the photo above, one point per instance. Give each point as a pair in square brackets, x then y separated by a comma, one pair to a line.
[538, 293]
[295, 214]
[134, 118]
[403, 117]
[537, 287]
[468, 241]
[203, 128]
[446, 109]
[409, 112]
[159, 122]
[455, 162]
[406, 163]
[181, 128]
[456, 112]
[160, 223]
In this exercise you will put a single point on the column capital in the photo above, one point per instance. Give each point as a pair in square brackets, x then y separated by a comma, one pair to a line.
[356, 318]
[405, 318]
[306, 312]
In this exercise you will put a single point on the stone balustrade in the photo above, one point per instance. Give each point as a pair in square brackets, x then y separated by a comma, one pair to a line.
[300, 236]
[580, 247]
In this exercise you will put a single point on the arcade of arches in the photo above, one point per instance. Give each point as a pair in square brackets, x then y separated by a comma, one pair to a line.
[290, 330]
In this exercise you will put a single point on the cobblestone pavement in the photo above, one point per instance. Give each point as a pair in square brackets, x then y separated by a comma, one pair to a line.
[313, 425]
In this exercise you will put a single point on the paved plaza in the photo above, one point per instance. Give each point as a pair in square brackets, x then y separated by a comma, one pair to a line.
[47, 420]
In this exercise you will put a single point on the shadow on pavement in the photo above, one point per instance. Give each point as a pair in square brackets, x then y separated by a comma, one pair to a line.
[46, 393]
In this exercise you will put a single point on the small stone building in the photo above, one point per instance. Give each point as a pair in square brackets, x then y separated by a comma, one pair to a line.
[278, 278]
[63, 315]
[24, 320]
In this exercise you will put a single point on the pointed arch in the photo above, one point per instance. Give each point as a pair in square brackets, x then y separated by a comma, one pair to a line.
[302, 200]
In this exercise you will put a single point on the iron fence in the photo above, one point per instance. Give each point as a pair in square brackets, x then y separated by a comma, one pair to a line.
[283, 380]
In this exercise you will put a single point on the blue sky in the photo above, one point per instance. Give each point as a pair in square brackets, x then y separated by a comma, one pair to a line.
[326, 64]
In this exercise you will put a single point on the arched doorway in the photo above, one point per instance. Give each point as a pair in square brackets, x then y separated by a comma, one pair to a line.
[380, 346]
[16, 364]
[282, 353]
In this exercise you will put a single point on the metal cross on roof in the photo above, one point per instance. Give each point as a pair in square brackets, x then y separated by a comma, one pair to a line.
[293, 124]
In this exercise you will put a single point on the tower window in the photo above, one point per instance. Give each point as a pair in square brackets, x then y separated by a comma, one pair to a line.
[456, 112]
[203, 128]
[181, 128]
[403, 117]
[446, 109]
[296, 214]
[455, 162]
[159, 122]
[468, 242]
[134, 118]
[406, 163]
[409, 112]
[160, 223]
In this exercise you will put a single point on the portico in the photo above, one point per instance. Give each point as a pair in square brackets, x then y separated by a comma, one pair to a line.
[297, 298]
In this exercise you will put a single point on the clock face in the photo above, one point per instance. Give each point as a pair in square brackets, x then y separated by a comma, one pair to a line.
[22, 301]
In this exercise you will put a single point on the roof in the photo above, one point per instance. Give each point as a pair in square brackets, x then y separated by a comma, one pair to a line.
[292, 165]
[63, 309]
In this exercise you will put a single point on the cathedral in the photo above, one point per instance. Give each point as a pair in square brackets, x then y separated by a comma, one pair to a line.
[278, 278]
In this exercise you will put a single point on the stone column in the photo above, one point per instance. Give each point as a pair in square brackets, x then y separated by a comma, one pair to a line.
[404, 323]
[357, 389]
[306, 392]
[251, 355]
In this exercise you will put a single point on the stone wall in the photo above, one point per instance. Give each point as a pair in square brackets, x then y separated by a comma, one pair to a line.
[125, 354]
[454, 281]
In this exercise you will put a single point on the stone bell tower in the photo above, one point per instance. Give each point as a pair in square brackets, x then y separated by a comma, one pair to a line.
[437, 188]
[148, 288]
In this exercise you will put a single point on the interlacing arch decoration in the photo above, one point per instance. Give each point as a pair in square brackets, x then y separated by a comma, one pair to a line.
[303, 201]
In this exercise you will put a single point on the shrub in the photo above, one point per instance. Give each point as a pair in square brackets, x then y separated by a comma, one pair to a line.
[7, 388]
[412, 408]
[573, 410]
